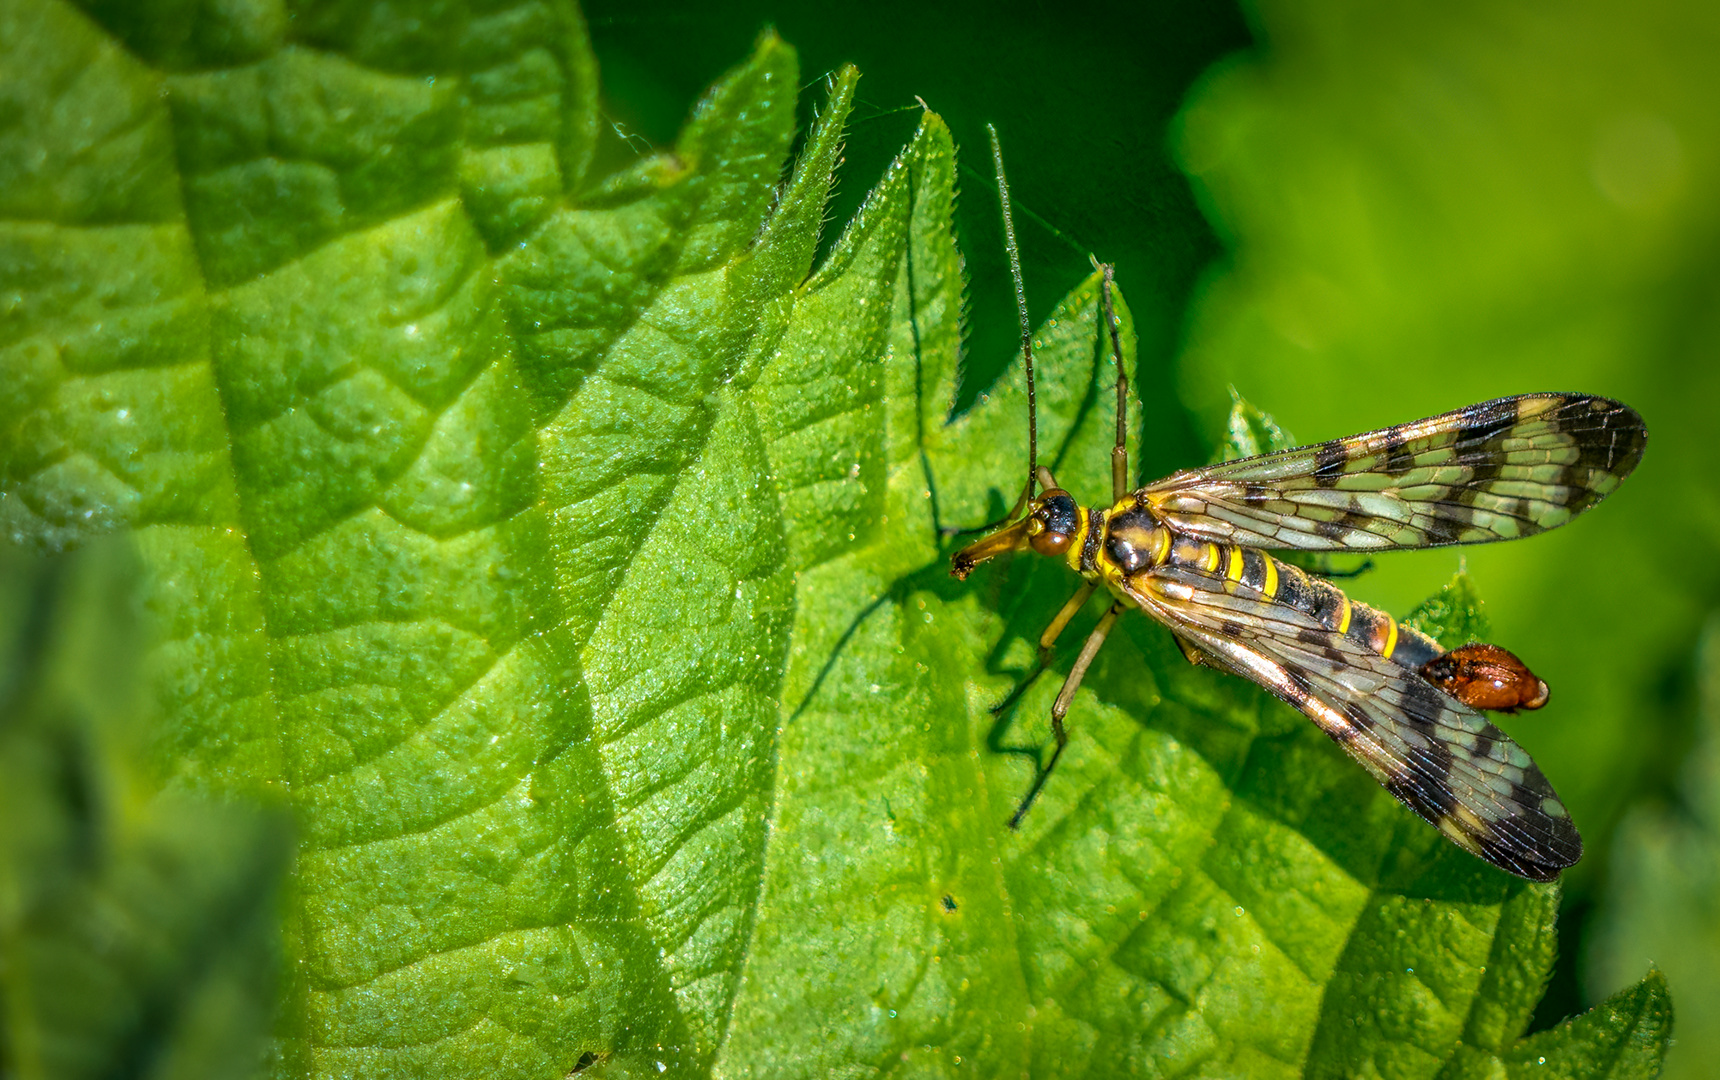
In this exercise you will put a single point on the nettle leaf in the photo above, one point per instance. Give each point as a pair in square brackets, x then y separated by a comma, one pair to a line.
[1249, 431]
[566, 555]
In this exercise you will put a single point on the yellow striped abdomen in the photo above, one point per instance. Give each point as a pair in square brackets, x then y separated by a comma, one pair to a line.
[1254, 570]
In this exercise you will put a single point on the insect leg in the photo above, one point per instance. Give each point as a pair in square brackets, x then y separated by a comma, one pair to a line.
[1060, 707]
[1046, 641]
[1055, 630]
[1191, 652]
[1320, 565]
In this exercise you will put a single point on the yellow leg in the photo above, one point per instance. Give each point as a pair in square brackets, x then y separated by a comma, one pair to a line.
[1060, 707]
[1191, 652]
[1046, 641]
[1055, 630]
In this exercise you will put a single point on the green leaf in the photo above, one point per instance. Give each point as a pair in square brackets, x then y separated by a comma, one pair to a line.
[1249, 431]
[1452, 616]
[1623, 1037]
[567, 556]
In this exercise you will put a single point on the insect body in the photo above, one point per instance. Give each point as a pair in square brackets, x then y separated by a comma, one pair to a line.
[1486, 677]
[1186, 551]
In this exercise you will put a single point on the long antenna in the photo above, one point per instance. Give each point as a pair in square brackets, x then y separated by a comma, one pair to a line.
[1021, 310]
[1119, 452]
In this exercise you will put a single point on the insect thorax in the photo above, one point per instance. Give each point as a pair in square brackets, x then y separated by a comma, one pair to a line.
[1132, 541]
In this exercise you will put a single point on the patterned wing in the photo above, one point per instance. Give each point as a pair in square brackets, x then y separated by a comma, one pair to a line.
[1434, 754]
[1495, 471]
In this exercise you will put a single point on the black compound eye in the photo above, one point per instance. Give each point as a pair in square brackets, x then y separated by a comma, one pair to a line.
[1059, 520]
[1059, 512]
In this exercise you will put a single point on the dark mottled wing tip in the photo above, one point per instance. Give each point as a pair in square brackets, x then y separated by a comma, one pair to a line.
[1495, 470]
[1545, 863]
[1620, 436]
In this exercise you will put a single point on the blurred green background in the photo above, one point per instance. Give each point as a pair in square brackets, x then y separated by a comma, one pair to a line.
[1359, 214]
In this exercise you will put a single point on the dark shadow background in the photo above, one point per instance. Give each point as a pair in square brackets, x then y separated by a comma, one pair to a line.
[1081, 94]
